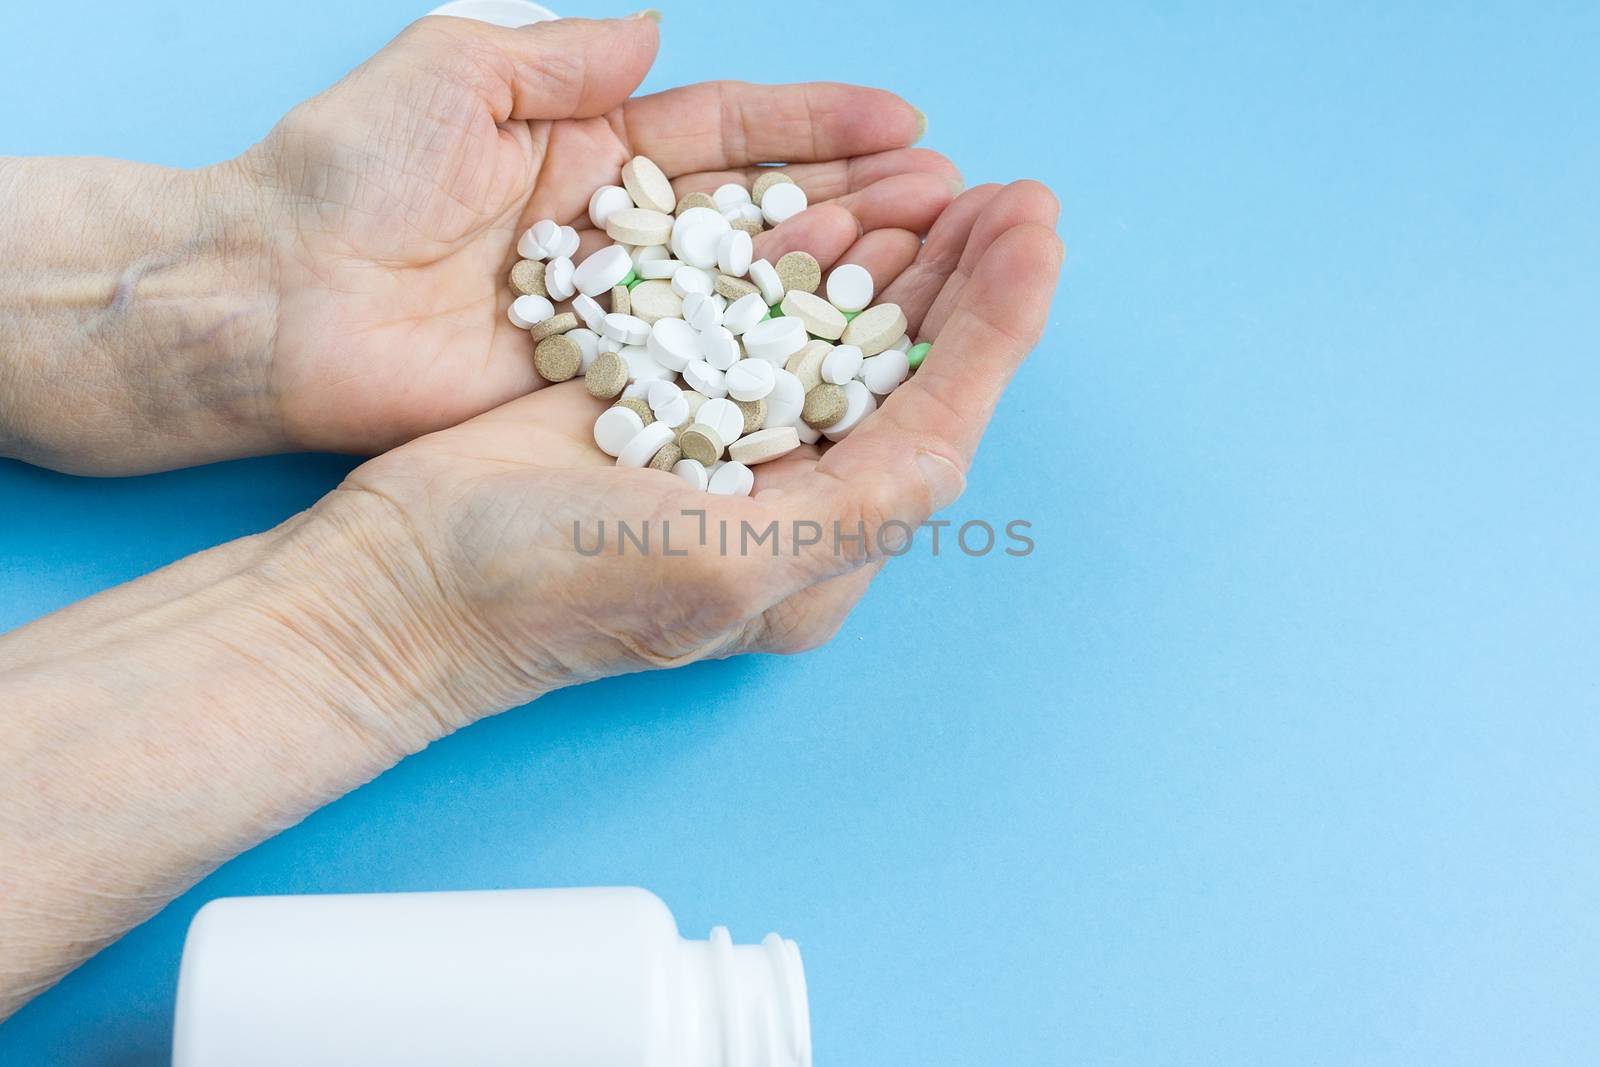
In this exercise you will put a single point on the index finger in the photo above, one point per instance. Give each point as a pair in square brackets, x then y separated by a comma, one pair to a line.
[726, 124]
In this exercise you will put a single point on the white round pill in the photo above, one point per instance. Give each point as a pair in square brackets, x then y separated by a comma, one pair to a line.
[786, 401]
[629, 329]
[528, 246]
[719, 347]
[809, 435]
[730, 196]
[733, 253]
[775, 340]
[859, 403]
[602, 271]
[588, 343]
[528, 311]
[644, 445]
[609, 344]
[702, 377]
[731, 479]
[674, 343]
[723, 416]
[615, 428]
[590, 311]
[693, 472]
[702, 311]
[696, 243]
[547, 232]
[850, 287]
[688, 279]
[605, 200]
[883, 372]
[782, 202]
[558, 279]
[840, 365]
[567, 242]
[657, 269]
[748, 213]
[649, 254]
[642, 366]
[744, 312]
[750, 379]
[765, 277]
[661, 393]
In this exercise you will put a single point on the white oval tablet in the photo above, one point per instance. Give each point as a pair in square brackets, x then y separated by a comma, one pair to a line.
[547, 232]
[702, 311]
[645, 444]
[642, 366]
[602, 271]
[850, 287]
[841, 365]
[764, 446]
[750, 379]
[782, 202]
[615, 428]
[528, 246]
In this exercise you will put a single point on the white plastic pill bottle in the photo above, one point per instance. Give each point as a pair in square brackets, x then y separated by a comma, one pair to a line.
[523, 977]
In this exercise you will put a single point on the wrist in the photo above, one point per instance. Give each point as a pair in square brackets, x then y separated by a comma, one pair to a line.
[392, 646]
[138, 316]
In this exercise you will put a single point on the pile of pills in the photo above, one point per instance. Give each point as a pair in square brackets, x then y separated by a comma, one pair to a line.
[716, 362]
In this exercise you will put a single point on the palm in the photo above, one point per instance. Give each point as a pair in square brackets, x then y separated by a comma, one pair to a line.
[511, 484]
[408, 192]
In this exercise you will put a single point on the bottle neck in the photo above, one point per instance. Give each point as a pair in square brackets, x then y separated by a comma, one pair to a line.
[744, 1005]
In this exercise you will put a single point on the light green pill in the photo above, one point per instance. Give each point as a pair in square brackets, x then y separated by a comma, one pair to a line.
[917, 353]
[848, 315]
[629, 278]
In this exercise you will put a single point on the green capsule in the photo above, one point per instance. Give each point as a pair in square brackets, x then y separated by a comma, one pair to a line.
[917, 353]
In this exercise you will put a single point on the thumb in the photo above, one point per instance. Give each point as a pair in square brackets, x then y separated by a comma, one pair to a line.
[562, 69]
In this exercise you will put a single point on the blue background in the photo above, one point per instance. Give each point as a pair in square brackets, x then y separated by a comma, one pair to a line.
[1281, 748]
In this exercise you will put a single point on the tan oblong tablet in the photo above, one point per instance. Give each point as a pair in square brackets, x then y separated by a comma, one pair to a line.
[821, 318]
[555, 324]
[806, 364]
[764, 445]
[654, 300]
[639, 226]
[876, 328]
[647, 185]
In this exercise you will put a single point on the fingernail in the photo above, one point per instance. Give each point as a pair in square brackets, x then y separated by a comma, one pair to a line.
[944, 479]
[922, 124]
[648, 13]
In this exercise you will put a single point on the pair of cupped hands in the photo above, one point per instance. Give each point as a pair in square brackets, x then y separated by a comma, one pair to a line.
[394, 201]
